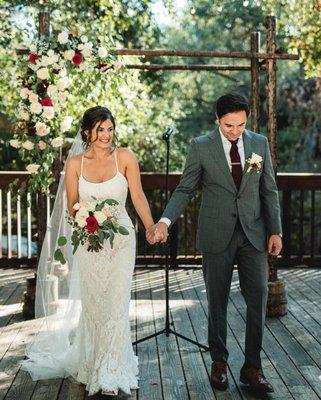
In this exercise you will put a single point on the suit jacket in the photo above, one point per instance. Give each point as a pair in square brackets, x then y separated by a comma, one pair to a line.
[255, 204]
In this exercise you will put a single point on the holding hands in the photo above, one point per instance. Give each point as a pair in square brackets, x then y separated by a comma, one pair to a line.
[157, 233]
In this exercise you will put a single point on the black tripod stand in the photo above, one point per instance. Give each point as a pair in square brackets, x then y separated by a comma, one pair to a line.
[167, 330]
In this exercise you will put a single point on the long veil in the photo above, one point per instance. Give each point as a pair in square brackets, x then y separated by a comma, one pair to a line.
[57, 305]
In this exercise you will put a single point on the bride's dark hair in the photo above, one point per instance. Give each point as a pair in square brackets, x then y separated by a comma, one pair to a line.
[90, 118]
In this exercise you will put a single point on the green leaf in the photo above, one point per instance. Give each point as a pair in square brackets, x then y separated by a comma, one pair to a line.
[101, 236]
[111, 202]
[58, 256]
[111, 237]
[123, 231]
[62, 241]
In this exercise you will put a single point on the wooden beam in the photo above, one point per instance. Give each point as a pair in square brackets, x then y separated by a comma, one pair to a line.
[255, 83]
[188, 67]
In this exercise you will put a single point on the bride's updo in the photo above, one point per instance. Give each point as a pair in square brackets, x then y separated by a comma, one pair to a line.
[90, 118]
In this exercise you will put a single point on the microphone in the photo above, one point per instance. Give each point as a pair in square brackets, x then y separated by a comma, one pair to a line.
[168, 132]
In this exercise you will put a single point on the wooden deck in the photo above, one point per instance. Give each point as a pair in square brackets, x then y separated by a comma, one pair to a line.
[172, 368]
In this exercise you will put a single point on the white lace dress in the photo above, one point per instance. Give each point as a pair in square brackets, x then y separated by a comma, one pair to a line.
[106, 359]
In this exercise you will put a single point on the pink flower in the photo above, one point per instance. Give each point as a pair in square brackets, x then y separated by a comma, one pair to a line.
[92, 224]
[77, 59]
[33, 58]
[46, 102]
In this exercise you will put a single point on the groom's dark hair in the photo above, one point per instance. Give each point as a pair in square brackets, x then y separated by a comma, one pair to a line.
[231, 102]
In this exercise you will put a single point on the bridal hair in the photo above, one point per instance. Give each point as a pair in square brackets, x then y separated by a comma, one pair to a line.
[231, 102]
[91, 117]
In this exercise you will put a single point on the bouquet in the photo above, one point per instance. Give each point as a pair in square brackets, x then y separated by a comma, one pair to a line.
[93, 223]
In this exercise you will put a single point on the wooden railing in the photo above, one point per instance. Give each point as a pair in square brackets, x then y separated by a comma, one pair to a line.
[300, 198]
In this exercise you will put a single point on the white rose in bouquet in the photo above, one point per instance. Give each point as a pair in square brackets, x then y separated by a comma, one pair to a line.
[66, 124]
[102, 52]
[57, 142]
[14, 143]
[33, 168]
[24, 115]
[81, 217]
[48, 112]
[24, 93]
[33, 97]
[100, 217]
[63, 37]
[42, 145]
[28, 145]
[68, 54]
[36, 108]
[43, 73]
[42, 129]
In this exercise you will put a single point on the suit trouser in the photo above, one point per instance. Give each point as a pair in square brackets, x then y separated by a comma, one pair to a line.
[253, 276]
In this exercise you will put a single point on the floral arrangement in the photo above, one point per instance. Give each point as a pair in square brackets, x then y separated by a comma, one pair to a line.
[254, 163]
[93, 223]
[45, 86]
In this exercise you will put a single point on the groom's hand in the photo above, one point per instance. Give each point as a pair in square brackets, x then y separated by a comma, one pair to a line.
[157, 233]
[275, 245]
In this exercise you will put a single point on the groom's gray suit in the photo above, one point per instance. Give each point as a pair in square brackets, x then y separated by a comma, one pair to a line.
[233, 226]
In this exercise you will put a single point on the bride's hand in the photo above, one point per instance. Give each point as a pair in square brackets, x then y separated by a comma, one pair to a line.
[157, 233]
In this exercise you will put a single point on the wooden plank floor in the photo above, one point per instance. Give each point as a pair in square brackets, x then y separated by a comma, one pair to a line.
[170, 367]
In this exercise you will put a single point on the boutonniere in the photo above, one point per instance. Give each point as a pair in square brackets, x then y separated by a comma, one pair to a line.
[254, 163]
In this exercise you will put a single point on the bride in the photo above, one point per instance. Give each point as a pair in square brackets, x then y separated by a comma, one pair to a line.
[85, 307]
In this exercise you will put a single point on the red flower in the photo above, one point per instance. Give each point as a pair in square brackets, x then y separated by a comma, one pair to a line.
[33, 58]
[77, 59]
[46, 102]
[92, 224]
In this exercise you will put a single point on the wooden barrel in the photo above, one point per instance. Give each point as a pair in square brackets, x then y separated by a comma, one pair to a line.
[277, 304]
[28, 299]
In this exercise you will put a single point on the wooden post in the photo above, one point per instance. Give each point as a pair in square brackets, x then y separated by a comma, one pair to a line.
[255, 83]
[44, 24]
[277, 302]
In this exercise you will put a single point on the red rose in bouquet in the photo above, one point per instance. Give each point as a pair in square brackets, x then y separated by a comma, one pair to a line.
[92, 224]
[46, 102]
[77, 59]
[33, 58]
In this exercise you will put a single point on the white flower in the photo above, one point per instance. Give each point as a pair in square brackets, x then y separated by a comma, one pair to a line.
[76, 206]
[24, 115]
[48, 112]
[50, 53]
[63, 83]
[33, 168]
[66, 124]
[14, 143]
[102, 52]
[87, 206]
[33, 97]
[81, 217]
[100, 217]
[33, 48]
[254, 162]
[63, 37]
[68, 54]
[28, 145]
[84, 39]
[43, 73]
[86, 51]
[42, 129]
[57, 107]
[57, 142]
[36, 108]
[42, 145]
[24, 93]
[117, 65]
[52, 89]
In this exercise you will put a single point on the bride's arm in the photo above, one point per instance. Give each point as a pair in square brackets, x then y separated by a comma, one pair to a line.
[71, 179]
[135, 187]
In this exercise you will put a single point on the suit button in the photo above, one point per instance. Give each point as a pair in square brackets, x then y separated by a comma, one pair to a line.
[234, 215]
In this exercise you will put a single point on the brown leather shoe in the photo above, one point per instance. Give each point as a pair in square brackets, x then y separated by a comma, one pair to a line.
[219, 378]
[254, 377]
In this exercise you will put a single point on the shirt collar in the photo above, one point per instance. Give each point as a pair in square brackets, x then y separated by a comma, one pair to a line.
[225, 139]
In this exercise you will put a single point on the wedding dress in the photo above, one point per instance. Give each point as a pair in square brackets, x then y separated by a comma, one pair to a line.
[97, 351]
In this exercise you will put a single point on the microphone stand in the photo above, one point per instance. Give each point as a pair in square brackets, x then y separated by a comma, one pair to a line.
[167, 330]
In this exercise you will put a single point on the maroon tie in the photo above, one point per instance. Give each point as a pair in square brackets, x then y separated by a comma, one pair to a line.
[236, 163]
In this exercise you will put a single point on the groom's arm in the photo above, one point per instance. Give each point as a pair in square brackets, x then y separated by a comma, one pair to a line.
[269, 196]
[187, 186]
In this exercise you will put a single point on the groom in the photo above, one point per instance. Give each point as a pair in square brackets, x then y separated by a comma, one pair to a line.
[239, 222]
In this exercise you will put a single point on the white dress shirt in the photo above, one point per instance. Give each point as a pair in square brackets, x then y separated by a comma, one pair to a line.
[227, 148]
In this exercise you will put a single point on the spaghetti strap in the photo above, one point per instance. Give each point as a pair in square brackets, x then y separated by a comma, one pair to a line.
[116, 161]
[82, 163]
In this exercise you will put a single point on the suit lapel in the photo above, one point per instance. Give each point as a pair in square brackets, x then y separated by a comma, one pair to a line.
[217, 150]
[247, 153]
